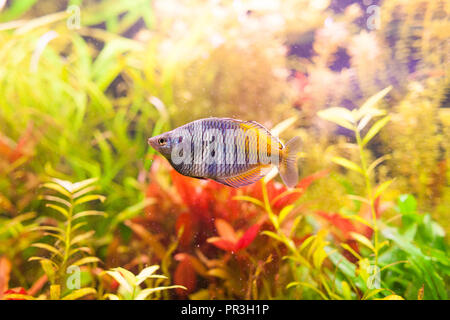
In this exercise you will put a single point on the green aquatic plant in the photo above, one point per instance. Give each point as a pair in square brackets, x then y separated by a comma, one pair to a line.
[411, 261]
[69, 247]
[130, 284]
[307, 258]
[416, 138]
[75, 102]
[357, 120]
[420, 242]
[82, 102]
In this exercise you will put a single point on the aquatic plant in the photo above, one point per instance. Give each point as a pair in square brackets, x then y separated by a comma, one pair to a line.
[80, 101]
[69, 248]
[356, 120]
[129, 288]
[417, 145]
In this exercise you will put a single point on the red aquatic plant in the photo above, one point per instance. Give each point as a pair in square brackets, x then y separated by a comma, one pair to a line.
[5, 271]
[342, 227]
[13, 151]
[228, 239]
[186, 276]
[15, 291]
[213, 226]
[192, 204]
[279, 195]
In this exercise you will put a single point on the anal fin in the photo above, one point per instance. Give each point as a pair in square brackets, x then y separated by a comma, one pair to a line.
[245, 178]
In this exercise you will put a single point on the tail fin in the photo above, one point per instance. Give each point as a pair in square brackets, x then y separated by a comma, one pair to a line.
[288, 166]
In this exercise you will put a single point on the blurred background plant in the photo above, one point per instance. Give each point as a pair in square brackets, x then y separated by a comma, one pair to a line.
[85, 83]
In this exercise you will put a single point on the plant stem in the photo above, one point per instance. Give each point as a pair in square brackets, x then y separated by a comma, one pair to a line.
[274, 219]
[267, 206]
[369, 192]
[67, 240]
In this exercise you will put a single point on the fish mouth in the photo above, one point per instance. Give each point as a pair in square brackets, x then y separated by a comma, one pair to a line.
[152, 142]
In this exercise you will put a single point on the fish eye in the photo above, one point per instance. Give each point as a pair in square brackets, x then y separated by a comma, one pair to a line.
[161, 141]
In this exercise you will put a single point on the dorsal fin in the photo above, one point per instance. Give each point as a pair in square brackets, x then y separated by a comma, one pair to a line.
[248, 124]
[254, 125]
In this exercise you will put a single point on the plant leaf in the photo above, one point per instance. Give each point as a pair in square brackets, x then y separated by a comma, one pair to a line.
[359, 219]
[308, 285]
[43, 259]
[57, 188]
[219, 273]
[131, 212]
[146, 292]
[146, 273]
[347, 164]
[363, 240]
[82, 237]
[250, 199]
[47, 247]
[225, 230]
[17, 296]
[89, 197]
[79, 293]
[284, 212]
[80, 249]
[372, 293]
[283, 125]
[358, 198]
[89, 213]
[82, 192]
[77, 186]
[223, 244]
[392, 297]
[368, 116]
[78, 226]
[346, 290]
[57, 199]
[55, 235]
[382, 188]
[248, 237]
[372, 101]
[376, 162]
[338, 115]
[47, 228]
[120, 279]
[306, 242]
[349, 249]
[273, 235]
[61, 210]
[375, 129]
[86, 260]
[111, 296]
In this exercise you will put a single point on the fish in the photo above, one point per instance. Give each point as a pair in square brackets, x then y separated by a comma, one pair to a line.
[233, 152]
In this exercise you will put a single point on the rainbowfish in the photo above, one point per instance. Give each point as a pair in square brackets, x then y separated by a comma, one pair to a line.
[233, 152]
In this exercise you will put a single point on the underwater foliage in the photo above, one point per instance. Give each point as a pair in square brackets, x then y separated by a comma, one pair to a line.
[89, 211]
